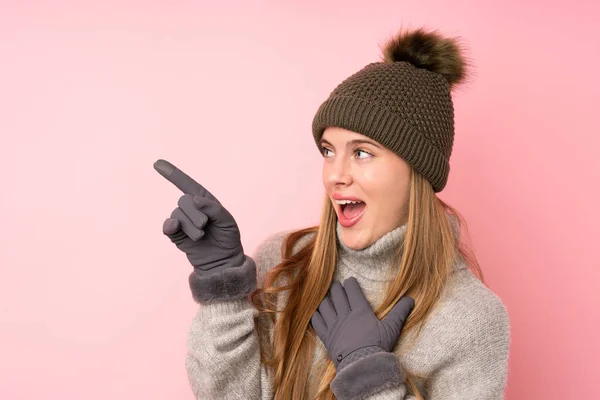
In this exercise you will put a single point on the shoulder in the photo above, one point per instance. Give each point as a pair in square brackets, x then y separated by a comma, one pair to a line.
[472, 315]
[464, 346]
[269, 252]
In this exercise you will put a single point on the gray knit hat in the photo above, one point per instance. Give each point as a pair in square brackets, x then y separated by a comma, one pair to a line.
[403, 102]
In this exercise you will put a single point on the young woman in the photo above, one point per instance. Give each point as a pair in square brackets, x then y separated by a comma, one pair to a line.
[381, 300]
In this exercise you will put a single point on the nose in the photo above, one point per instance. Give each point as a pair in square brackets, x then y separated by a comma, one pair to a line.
[337, 171]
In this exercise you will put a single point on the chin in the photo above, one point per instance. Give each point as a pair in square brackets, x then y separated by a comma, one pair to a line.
[355, 240]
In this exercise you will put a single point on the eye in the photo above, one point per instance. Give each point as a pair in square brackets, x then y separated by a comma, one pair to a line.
[324, 151]
[366, 153]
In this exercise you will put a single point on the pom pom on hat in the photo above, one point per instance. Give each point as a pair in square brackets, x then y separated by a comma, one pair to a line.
[428, 50]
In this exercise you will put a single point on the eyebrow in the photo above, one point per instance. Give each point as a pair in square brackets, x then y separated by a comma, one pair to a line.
[353, 142]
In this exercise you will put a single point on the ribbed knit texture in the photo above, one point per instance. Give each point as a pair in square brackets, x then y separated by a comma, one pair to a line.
[462, 349]
[407, 109]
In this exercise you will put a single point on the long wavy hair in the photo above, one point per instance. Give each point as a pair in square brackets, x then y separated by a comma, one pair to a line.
[426, 258]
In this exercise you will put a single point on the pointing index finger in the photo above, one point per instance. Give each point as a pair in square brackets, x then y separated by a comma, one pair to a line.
[180, 179]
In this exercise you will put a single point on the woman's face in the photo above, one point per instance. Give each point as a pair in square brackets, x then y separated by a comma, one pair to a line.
[358, 169]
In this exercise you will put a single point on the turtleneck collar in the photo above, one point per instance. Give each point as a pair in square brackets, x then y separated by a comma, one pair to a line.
[374, 262]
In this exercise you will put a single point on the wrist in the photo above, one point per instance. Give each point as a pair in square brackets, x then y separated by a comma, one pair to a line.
[356, 355]
[367, 376]
[232, 283]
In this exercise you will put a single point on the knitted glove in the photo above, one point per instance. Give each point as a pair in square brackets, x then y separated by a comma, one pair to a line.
[209, 236]
[358, 343]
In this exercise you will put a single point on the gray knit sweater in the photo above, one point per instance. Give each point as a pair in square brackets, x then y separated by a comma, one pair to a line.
[462, 351]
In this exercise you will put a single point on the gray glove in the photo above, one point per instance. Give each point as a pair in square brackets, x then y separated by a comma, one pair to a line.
[209, 236]
[358, 343]
[349, 329]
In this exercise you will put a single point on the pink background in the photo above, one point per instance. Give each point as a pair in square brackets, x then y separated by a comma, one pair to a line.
[94, 299]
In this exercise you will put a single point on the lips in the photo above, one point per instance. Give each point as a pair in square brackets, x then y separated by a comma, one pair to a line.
[349, 209]
[339, 196]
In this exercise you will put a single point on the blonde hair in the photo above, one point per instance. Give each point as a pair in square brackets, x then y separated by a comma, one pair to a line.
[426, 258]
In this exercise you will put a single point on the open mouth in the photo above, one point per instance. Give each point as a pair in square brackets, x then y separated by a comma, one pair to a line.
[351, 209]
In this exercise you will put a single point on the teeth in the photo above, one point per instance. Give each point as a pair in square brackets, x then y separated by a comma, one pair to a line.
[341, 202]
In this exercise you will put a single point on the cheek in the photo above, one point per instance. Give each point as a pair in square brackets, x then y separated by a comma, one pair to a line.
[377, 182]
[370, 179]
[387, 190]
[324, 176]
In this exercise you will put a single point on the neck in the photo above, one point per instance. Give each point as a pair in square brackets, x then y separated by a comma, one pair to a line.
[377, 261]
[380, 260]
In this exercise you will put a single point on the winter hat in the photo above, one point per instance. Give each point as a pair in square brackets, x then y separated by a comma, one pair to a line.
[403, 102]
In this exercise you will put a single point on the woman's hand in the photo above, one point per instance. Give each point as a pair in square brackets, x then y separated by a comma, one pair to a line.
[200, 226]
[347, 326]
